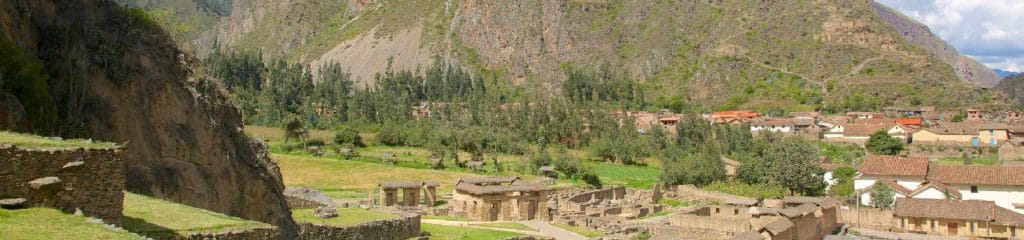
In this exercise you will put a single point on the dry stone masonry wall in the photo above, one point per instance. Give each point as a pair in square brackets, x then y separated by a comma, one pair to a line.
[401, 228]
[69, 179]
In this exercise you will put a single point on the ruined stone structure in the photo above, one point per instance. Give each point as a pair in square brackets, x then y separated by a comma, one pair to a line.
[410, 193]
[69, 179]
[304, 197]
[607, 207]
[499, 199]
[261, 233]
[405, 227]
[797, 218]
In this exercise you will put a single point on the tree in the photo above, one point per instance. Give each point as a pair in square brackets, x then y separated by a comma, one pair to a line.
[391, 135]
[881, 143]
[792, 163]
[701, 168]
[295, 129]
[844, 174]
[882, 196]
[348, 136]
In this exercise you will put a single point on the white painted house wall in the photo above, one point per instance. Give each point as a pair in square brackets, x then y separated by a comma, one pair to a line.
[863, 182]
[1004, 196]
[930, 193]
[778, 129]
[835, 132]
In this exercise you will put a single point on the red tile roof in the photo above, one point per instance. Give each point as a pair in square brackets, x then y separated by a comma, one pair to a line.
[957, 209]
[908, 121]
[955, 194]
[977, 175]
[863, 129]
[895, 166]
[874, 121]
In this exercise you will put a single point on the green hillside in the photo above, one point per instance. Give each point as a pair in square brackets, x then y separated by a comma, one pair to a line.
[688, 56]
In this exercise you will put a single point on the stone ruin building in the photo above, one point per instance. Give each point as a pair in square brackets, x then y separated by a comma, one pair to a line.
[606, 207]
[410, 193]
[796, 218]
[499, 199]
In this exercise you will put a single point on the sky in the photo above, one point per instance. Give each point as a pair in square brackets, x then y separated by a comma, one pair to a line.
[990, 31]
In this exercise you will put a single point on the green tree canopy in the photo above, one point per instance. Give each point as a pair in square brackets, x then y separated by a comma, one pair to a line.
[881, 143]
[882, 196]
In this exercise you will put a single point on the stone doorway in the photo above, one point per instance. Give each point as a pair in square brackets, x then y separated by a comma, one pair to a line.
[495, 211]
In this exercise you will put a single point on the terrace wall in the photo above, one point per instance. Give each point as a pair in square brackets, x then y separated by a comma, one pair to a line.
[90, 180]
[265, 233]
[401, 228]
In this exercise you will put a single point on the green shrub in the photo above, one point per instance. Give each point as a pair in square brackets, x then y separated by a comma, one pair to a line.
[391, 135]
[24, 78]
[747, 190]
[348, 135]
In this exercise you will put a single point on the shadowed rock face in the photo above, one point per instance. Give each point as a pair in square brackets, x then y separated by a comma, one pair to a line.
[116, 77]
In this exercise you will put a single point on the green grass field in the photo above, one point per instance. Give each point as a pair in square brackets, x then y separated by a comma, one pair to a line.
[47, 223]
[974, 161]
[643, 177]
[33, 141]
[580, 230]
[463, 233]
[506, 225]
[158, 218]
[346, 216]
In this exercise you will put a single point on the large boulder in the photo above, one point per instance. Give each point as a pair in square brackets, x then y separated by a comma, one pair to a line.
[114, 75]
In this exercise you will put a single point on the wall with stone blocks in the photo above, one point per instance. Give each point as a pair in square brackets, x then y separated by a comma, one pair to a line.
[401, 228]
[266, 233]
[91, 180]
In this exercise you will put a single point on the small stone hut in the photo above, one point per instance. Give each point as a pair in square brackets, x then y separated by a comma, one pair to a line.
[410, 193]
[499, 199]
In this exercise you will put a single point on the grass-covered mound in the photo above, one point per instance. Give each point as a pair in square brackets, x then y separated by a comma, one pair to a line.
[48, 223]
[158, 218]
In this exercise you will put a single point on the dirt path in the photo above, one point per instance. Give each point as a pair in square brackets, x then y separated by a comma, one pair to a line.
[907, 236]
[556, 232]
[469, 225]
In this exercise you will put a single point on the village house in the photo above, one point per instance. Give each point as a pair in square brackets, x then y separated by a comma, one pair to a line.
[829, 167]
[974, 115]
[899, 173]
[732, 117]
[863, 115]
[904, 112]
[1011, 151]
[1003, 185]
[776, 125]
[859, 133]
[499, 199]
[965, 218]
[976, 134]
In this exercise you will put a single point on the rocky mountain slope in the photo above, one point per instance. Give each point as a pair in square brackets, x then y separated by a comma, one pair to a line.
[704, 55]
[114, 75]
[966, 68]
[1013, 86]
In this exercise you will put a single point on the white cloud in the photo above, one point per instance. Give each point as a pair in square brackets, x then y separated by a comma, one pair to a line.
[989, 30]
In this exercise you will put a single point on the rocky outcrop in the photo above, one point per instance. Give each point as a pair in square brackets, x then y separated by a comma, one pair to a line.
[12, 114]
[115, 76]
[967, 69]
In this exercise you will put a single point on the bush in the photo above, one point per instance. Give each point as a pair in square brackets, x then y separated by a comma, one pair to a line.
[348, 136]
[316, 142]
[747, 190]
[590, 177]
[391, 135]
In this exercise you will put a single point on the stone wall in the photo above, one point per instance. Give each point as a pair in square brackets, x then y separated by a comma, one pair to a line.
[90, 180]
[727, 226]
[868, 218]
[265, 233]
[401, 228]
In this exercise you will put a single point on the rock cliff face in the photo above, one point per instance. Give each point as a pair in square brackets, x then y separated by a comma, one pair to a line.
[967, 69]
[115, 76]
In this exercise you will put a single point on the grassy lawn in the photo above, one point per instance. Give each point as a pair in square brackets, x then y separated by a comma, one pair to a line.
[463, 233]
[47, 223]
[508, 225]
[643, 177]
[581, 231]
[33, 141]
[974, 161]
[447, 218]
[346, 216]
[344, 177]
[154, 217]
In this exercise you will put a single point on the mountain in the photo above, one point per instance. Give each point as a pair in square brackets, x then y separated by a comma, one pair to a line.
[966, 68]
[113, 74]
[1003, 73]
[700, 55]
[1013, 86]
